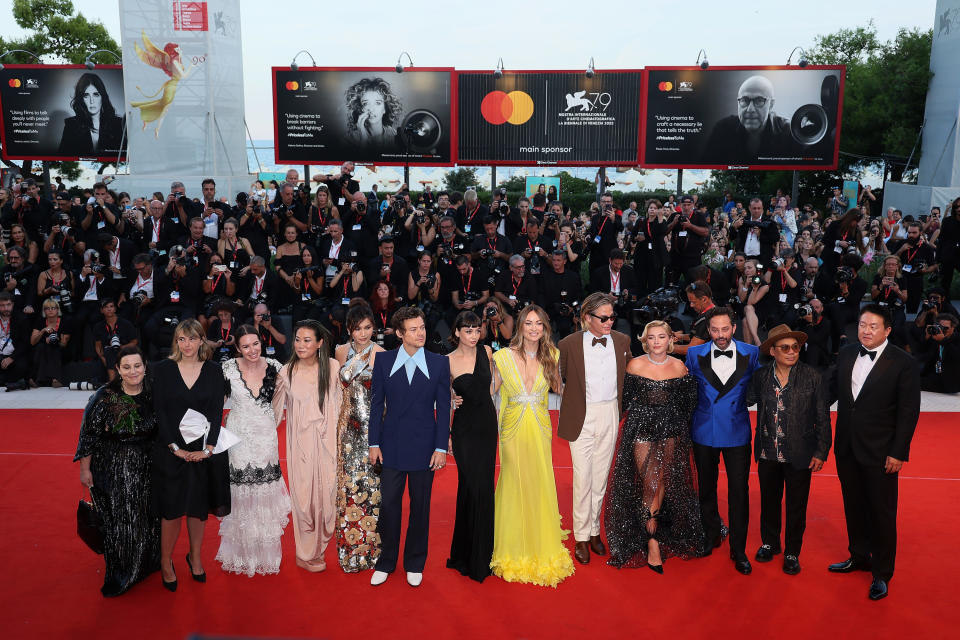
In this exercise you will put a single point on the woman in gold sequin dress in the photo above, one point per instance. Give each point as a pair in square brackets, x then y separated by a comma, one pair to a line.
[358, 486]
[528, 539]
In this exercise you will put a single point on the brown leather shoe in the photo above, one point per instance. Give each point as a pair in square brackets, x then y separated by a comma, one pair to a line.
[596, 545]
[582, 552]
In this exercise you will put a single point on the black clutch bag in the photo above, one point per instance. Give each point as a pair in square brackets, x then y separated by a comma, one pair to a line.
[90, 525]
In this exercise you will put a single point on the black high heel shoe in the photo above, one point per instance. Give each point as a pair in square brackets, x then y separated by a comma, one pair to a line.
[656, 568]
[172, 585]
[199, 577]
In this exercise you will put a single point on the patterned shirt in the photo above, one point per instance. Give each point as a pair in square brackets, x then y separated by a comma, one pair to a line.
[771, 444]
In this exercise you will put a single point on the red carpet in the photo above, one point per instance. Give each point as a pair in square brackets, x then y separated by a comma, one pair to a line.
[50, 585]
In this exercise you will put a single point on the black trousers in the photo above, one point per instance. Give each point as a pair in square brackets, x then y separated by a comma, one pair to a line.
[736, 461]
[947, 267]
[870, 508]
[914, 291]
[392, 484]
[774, 477]
[17, 370]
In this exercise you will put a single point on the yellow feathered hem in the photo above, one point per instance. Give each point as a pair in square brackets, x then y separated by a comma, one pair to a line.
[545, 572]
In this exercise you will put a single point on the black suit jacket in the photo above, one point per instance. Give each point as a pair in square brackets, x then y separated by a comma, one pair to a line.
[76, 140]
[768, 238]
[170, 232]
[881, 421]
[600, 279]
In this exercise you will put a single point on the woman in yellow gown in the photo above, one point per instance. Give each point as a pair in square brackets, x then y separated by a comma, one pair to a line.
[528, 538]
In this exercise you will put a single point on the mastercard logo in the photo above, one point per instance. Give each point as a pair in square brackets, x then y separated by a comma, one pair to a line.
[665, 86]
[293, 85]
[498, 107]
[14, 83]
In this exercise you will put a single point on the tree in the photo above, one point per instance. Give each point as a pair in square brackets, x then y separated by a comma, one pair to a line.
[54, 31]
[883, 107]
[461, 179]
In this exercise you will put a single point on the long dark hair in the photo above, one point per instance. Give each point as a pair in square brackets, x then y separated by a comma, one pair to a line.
[357, 312]
[80, 108]
[323, 356]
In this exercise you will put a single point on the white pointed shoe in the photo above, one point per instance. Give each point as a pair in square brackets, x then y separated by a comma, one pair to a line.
[378, 578]
[414, 579]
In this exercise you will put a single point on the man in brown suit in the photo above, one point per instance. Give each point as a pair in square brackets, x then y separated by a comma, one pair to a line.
[592, 364]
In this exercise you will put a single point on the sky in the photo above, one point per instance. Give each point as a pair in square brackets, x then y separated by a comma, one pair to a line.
[530, 34]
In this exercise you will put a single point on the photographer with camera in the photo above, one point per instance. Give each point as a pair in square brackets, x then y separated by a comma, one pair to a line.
[469, 291]
[469, 215]
[258, 284]
[933, 305]
[93, 286]
[197, 247]
[570, 241]
[889, 290]
[213, 212]
[28, 207]
[119, 253]
[616, 278]
[384, 302]
[497, 328]
[334, 248]
[218, 287]
[561, 291]
[785, 293]
[646, 245]
[233, 250]
[688, 230]
[322, 211]
[700, 299]
[221, 334]
[514, 288]
[100, 217]
[111, 335]
[847, 291]
[841, 237]
[386, 266]
[159, 231]
[63, 233]
[256, 223]
[816, 351]
[605, 226]
[308, 284]
[918, 258]
[178, 291]
[752, 291]
[552, 220]
[361, 226]
[50, 339]
[533, 247]
[939, 355]
[273, 340]
[419, 231]
[290, 209]
[342, 186]
[57, 283]
[838, 204]
[756, 235]
[178, 206]
[14, 345]
[20, 279]
[491, 251]
[347, 283]
[136, 305]
[448, 246]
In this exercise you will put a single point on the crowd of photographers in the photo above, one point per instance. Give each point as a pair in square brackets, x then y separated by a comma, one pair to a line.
[84, 275]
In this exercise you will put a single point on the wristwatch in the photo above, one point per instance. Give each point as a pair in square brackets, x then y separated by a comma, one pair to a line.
[207, 452]
[173, 447]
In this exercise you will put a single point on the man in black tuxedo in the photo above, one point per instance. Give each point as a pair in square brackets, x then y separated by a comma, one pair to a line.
[878, 388]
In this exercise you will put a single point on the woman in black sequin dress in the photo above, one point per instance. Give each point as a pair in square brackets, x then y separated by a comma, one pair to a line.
[114, 451]
[652, 511]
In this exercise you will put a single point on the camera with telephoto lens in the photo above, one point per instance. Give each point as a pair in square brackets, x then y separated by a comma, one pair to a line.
[549, 220]
[934, 329]
[138, 297]
[845, 275]
[503, 209]
[171, 321]
[114, 342]
[777, 263]
[66, 301]
[265, 317]
[568, 308]
[306, 270]
[662, 304]
[430, 282]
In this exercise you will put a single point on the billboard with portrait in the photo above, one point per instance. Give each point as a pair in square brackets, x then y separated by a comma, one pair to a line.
[549, 185]
[63, 112]
[548, 118]
[742, 117]
[376, 115]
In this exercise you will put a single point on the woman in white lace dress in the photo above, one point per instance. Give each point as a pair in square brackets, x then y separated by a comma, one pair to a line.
[250, 535]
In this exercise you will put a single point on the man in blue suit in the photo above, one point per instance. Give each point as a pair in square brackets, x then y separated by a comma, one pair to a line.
[721, 426]
[409, 439]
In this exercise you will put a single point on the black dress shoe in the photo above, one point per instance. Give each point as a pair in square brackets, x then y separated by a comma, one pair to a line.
[743, 566]
[878, 590]
[849, 565]
[791, 565]
[765, 553]
[199, 577]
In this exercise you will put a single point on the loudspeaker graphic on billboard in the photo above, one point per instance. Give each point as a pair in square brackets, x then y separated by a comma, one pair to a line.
[170, 61]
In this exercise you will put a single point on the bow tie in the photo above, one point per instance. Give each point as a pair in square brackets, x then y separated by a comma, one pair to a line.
[864, 352]
[717, 353]
[602, 341]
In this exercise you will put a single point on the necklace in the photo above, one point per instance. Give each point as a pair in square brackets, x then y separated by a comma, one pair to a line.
[658, 363]
[531, 354]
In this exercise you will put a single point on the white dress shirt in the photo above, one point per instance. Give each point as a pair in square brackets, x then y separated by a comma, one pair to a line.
[600, 369]
[862, 367]
[723, 366]
[751, 245]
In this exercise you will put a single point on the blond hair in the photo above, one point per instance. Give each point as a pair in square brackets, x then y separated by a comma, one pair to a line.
[656, 324]
[190, 328]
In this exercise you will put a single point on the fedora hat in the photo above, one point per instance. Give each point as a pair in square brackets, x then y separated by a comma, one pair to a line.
[780, 332]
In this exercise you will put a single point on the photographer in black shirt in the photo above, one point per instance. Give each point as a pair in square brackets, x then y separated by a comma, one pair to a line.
[784, 292]
[561, 292]
[918, 258]
[939, 356]
[847, 292]
[491, 251]
[889, 290]
[816, 350]
[470, 215]
[515, 288]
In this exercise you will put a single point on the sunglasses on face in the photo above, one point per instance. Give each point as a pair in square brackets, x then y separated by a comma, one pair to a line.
[787, 348]
[609, 318]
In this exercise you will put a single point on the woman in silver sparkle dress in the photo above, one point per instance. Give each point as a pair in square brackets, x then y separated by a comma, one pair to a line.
[358, 484]
[250, 534]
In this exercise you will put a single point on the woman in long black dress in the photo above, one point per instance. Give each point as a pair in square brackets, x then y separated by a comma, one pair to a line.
[474, 436]
[114, 452]
[652, 511]
[188, 479]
